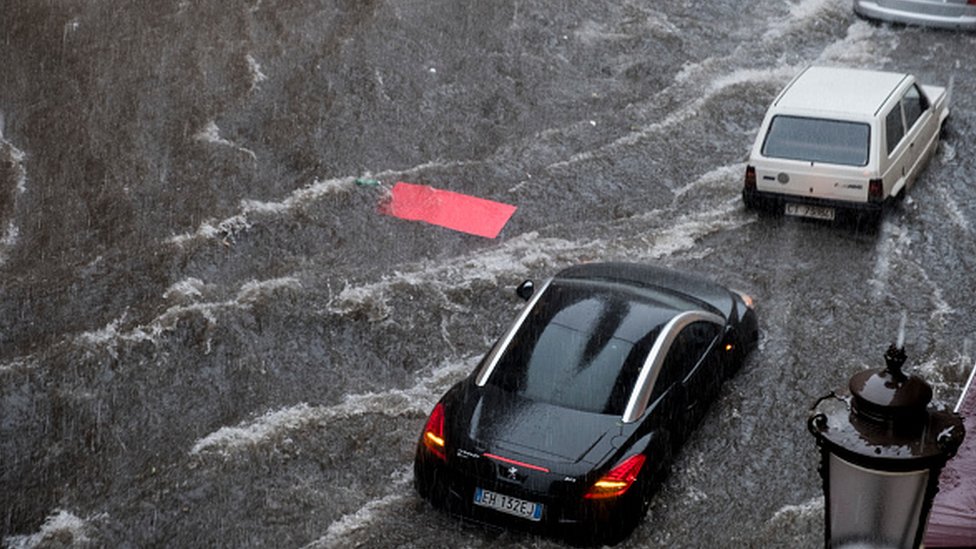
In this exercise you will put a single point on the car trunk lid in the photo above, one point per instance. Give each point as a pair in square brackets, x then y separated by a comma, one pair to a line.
[518, 427]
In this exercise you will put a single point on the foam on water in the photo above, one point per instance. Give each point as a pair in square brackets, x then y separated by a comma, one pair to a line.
[188, 289]
[241, 222]
[864, 46]
[684, 232]
[799, 16]
[715, 178]
[339, 531]
[952, 208]
[791, 525]
[16, 159]
[19, 363]
[255, 70]
[211, 134]
[710, 86]
[61, 529]
[894, 242]
[417, 400]
[248, 294]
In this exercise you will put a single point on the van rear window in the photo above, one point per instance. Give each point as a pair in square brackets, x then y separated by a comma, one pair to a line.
[818, 140]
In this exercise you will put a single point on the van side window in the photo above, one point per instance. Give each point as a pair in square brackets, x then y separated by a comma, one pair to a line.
[913, 103]
[894, 128]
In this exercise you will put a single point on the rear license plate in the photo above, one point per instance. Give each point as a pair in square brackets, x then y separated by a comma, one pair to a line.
[806, 210]
[508, 504]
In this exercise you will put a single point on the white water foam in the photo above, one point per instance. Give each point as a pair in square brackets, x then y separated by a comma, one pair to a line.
[864, 46]
[339, 532]
[17, 158]
[211, 134]
[248, 294]
[240, 222]
[188, 289]
[18, 364]
[61, 529]
[800, 15]
[416, 400]
[713, 85]
[255, 70]
[810, 507]
[956, 214]
[894, 243]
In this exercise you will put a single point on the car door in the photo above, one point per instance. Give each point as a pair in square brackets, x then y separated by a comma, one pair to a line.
[895, 150]
[920, 129]
[694, 359]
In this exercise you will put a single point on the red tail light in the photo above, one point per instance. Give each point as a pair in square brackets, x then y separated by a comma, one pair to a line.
[876, 189]
[618, 480]
[751, 176]
[434, 432]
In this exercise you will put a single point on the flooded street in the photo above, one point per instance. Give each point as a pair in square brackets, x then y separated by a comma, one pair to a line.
[210, 336]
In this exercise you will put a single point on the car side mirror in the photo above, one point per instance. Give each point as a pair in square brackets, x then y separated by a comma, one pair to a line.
[525, 289]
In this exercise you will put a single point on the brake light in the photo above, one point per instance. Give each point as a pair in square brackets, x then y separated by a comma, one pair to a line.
[434, 432]
[751, 176]
[618, 480]
[876, 188]
[511, 461]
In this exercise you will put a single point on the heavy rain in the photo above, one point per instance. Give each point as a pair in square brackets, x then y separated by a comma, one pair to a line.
[211, 336]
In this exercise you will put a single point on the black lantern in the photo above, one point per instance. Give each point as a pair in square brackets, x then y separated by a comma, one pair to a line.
[882, 448]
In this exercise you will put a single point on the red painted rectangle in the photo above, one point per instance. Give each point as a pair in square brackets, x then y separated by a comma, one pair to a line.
[456, 211]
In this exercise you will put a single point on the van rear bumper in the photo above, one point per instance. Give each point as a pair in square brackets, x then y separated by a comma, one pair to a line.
[767, 201]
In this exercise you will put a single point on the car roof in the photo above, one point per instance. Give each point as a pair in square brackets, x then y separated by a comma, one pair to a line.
[839, 90]
[668, 288]
[626, 312]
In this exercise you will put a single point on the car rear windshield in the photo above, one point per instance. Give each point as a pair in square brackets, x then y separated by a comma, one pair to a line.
[818, 140]
[579, 349]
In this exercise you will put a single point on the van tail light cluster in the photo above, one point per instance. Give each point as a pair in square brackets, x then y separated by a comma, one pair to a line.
[751, 176]
[434, 432]
[618, 480]
[876, 187]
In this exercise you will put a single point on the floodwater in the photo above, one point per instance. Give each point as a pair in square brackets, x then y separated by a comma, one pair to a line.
[210, 337]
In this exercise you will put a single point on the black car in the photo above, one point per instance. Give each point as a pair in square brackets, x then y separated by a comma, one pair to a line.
[571, 420]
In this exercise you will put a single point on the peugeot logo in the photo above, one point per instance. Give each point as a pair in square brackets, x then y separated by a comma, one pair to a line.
[512, 473]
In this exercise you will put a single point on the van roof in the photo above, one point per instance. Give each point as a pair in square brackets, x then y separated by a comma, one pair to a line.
[840, 90]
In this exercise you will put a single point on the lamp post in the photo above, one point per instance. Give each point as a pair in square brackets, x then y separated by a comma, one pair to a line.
[881, 450]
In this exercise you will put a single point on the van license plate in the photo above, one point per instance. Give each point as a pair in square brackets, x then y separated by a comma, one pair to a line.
[806, 210]
[508, 504]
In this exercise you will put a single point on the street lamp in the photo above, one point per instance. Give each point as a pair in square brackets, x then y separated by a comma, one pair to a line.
[881, 450]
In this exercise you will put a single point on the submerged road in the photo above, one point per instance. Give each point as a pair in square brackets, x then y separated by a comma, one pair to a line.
[209, 336]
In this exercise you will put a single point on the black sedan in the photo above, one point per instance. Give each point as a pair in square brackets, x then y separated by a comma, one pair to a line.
[571, 420]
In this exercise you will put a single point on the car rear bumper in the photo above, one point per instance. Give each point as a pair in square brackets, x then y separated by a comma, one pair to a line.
[763, 200]
[562, 515]
[913, 12]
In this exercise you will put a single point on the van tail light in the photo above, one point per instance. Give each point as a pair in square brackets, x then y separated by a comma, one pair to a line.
[876, 189]
[751, 175]
[434, 432]
[618, 480]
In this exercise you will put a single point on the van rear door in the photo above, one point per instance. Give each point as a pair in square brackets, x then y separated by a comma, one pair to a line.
[815, 157]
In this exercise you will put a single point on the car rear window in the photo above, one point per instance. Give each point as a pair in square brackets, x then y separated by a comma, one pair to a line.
[818, 140]
[570, 352]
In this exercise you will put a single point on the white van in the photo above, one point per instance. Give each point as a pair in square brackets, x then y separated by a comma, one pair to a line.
[843, 139]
